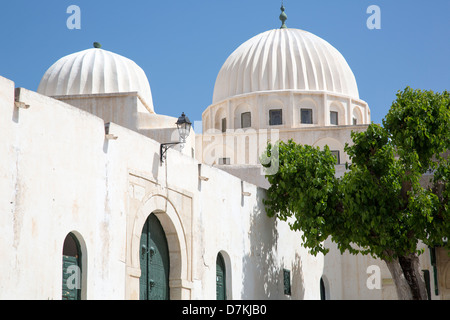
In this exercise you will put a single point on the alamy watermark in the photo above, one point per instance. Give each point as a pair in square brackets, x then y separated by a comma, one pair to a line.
[74, 20]
[374, 21]
[74, 279]
[242, 147]
[374, 279]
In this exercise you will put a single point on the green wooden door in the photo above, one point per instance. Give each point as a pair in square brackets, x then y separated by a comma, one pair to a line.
[220, 278]
[71, 269]
[154, 260]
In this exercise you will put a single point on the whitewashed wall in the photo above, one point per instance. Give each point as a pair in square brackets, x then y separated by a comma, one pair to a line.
[58, 174]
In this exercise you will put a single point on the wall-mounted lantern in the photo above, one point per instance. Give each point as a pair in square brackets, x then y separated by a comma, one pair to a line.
[184, 129]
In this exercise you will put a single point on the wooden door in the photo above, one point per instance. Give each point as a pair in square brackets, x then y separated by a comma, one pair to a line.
[220, 278]
[154, 260]
[71, 269]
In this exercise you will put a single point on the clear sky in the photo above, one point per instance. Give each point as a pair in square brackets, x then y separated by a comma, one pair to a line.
[181, 45]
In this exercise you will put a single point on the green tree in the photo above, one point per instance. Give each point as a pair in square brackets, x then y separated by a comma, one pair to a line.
[381, 206]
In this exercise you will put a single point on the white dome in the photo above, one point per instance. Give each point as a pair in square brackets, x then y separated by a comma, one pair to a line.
[95, 71]
[285, 59]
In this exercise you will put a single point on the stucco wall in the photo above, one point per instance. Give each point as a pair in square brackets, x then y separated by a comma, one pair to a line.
[59, 174]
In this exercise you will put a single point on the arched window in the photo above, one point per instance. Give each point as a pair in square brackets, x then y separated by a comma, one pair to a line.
[71, 271]
[221, 290]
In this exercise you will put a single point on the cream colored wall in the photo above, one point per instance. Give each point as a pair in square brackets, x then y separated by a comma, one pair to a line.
[57, 172]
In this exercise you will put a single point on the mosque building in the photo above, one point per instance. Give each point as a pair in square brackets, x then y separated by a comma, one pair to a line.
[102, 198]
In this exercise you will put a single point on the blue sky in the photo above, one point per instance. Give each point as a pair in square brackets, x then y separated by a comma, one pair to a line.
[181, 45]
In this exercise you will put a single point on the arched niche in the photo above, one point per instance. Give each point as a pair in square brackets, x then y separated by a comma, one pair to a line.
[238, 112]
[301, 115]
[357, 117]
[337, 106]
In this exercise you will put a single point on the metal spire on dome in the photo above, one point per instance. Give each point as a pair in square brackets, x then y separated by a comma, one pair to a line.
[283, 17]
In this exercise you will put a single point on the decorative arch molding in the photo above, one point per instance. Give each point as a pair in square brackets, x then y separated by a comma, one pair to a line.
[220, 113]
[332, 143]
[169, 217]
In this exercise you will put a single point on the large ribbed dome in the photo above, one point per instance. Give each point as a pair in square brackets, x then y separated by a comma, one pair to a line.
[95, 71]
[285, 59]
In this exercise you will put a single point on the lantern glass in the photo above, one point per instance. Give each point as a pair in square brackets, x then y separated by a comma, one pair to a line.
[184, 127]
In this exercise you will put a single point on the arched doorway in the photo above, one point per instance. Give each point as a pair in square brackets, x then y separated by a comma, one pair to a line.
[154, 261]
[221, 290]
[71, 270]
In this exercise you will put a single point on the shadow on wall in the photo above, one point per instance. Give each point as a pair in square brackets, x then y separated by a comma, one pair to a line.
[263, 276]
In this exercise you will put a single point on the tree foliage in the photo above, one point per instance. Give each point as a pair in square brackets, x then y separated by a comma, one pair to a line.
[382, 205]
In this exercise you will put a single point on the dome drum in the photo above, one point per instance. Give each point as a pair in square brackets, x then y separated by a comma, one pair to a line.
[299, 109]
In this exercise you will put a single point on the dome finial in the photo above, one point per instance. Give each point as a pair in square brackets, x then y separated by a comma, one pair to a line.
[283, 17]
[97, 45]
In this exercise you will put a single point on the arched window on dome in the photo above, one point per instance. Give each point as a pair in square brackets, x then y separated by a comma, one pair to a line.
[242, 116]
[337, 114]
[307, 112]
[220, 122]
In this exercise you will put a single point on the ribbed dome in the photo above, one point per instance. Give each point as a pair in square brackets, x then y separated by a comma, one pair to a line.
[95, 71]
[285, 59]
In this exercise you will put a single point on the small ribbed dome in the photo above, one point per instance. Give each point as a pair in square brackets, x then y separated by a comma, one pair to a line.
[285, 59]
[95, 71]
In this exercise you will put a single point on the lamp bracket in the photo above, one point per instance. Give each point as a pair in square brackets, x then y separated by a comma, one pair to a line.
[164, 147]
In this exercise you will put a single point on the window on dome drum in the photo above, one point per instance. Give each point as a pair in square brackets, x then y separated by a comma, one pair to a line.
[246, 120]
[334, 118]
[306, 116]
[275, 117]
[224, 161]
[224, 125]
[355, 121]
[335, 153]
